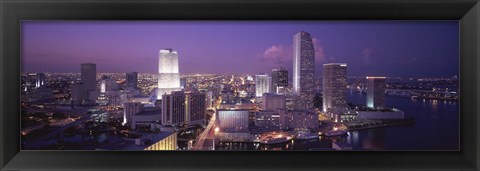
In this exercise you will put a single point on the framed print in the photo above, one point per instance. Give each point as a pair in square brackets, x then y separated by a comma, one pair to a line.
[216, 85]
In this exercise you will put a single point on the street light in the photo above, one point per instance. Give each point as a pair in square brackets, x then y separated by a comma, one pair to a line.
[216, 130]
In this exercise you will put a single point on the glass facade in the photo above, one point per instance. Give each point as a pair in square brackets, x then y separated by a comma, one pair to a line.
[303, 70]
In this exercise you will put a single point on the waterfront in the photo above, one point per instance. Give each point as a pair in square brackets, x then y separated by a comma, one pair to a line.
[436, 128]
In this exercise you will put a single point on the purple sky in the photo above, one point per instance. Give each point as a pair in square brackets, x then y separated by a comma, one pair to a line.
[387, 48]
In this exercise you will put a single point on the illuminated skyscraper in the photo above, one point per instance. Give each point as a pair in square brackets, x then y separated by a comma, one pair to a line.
[376, 92]
[168, 75]
[334, 87]
[279, 80]
[89, 76]
[303, 70]
[262, 84]
[40, 80]
[132, 79]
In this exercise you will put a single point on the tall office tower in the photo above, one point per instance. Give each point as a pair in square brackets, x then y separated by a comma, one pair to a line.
[279, 80]
[173, 108]
[376, 92]
[132, 79]
[303, 70]
[40, 80]
[183, 108]
[89, 76]
[334, 87]
[273, 101]
[262, 84]
[131, 109]
[168, 75]
[78, 94]
[195, 108]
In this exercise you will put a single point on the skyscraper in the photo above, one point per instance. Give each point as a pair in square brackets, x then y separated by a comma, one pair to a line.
[279, 80]
[173, 108]
[40, 80]
[183, 108]
[262, 84]
[168, 74]
[196, 108]
[132, 79]
[78, 93]
[334, 87]
[303, 70]
[89, 76]
[376, 92]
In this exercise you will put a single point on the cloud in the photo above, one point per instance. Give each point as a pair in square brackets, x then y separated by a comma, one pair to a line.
[277, 54]
[319, 52]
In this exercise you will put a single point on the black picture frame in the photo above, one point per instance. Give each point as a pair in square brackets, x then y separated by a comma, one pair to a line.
[14, 11]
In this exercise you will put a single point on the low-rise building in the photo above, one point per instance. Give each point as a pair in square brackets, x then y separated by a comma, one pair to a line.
[154, 141]
[234, 120]
[270, 119]
[301, 120]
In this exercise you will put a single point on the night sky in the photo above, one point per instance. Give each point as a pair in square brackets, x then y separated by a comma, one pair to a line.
[380, 48]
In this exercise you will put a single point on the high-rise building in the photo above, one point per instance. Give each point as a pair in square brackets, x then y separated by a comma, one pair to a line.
[168, 74]
[272, 101]
[78, 93]
[89, 76]
[262, 84]
[334, 87]
[376, 92]
[173, 108]
[196, 108]
[132, 79]
[279, 80]
[180, 108]
[40, 80]
[303, 70]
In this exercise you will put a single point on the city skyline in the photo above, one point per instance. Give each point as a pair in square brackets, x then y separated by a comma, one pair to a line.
[124, 110]
[257, 48]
